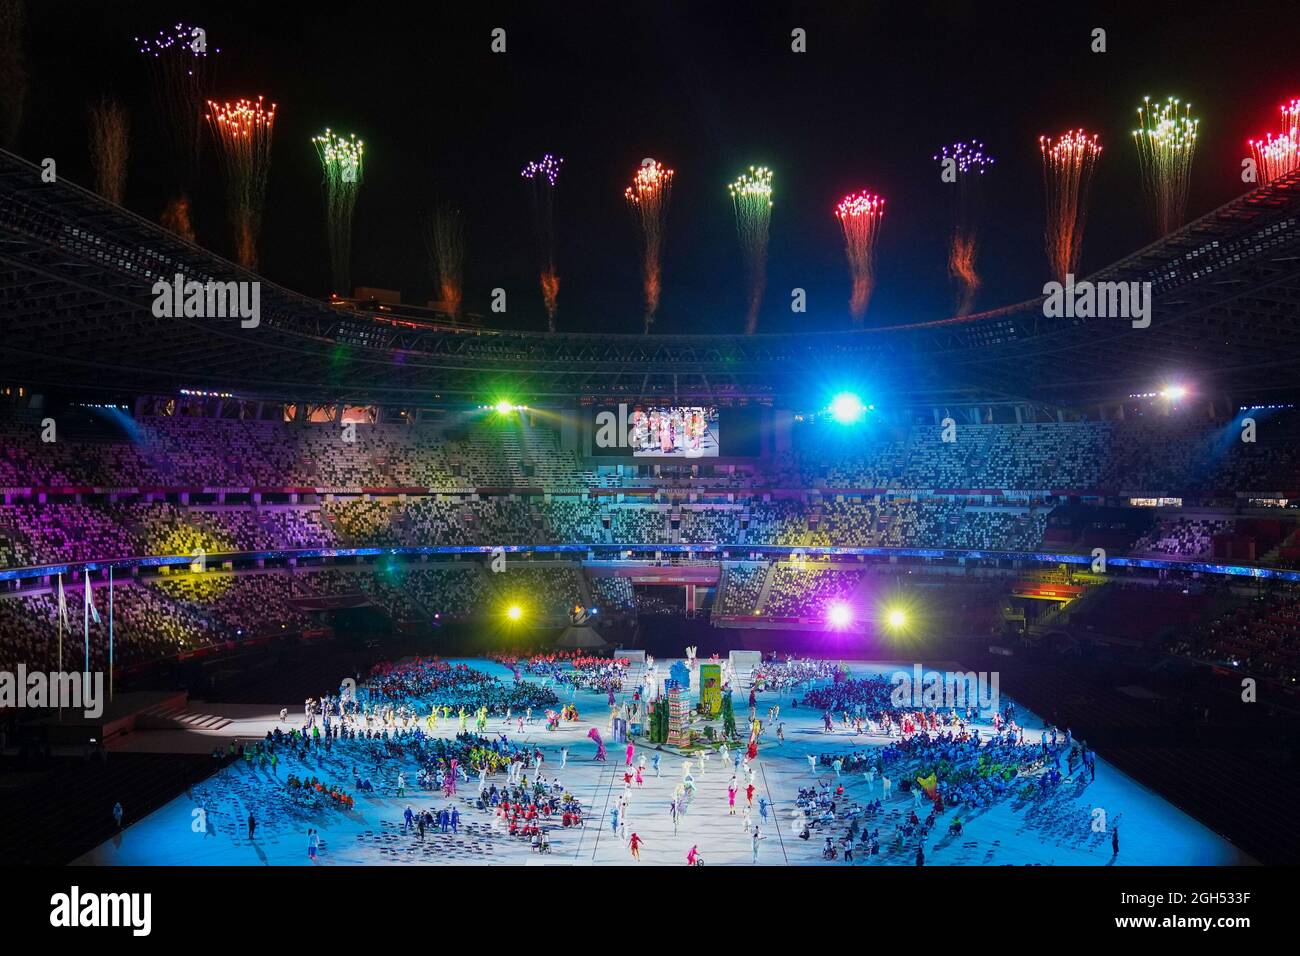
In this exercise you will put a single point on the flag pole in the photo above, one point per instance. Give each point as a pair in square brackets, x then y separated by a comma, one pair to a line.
[61, 613]
[110, 632]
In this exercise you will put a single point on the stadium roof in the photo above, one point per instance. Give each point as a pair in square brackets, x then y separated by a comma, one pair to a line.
[77, 272]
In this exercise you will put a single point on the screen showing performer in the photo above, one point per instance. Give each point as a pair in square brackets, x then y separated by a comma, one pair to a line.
[673, 431]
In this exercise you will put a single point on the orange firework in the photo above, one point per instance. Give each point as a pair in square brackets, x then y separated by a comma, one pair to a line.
[1068, 165]
[243, 133]
[860, 216]
[648, 198]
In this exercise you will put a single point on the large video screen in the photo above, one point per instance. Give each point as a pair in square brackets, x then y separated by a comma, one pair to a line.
[657, 431]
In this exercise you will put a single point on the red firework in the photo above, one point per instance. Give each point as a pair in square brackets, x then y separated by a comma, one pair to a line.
[860, 215]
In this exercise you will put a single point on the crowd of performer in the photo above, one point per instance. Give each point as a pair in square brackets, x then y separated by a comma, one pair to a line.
[425, 681]
[573, 670]
[412, 731]
[790, 674]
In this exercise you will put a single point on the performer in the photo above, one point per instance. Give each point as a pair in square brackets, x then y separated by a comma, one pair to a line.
[594, 734]
[636, 842]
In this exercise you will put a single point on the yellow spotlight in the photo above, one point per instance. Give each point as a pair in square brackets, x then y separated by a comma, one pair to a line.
[896, 618]
[514, 612]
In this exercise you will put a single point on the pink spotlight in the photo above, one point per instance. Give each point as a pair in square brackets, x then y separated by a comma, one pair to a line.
[839, 615]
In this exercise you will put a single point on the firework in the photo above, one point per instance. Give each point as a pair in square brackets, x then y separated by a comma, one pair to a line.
[751, 195]
[180, 66]
[648, 198]
[109, 148]
[243, 132]
[13, 70]
[444, 240]
[1166, 142]
[1278, 155]
[964, 165]
[1068, 164]
[543, 175]
[341, 160]
[860, 215]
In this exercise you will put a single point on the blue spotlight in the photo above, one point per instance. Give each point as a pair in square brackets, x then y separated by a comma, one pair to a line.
[847, 408]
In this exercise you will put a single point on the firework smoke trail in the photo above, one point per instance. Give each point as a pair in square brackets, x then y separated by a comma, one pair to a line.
[444, 240]
[1068, 165]
[751, 195]
[648, 197]
[110, 148]
[861, 215]
[243, 131]
[1166, 142]
[964, 165]
[176, 218]
[341, 160]
[13, 69]
[180, 66]
[1278, 155]
[543, 175]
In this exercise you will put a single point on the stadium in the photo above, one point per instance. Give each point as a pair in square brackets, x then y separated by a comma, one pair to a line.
[309, 571]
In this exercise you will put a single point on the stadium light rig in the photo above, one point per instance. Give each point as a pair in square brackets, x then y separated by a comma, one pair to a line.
[839, 615]
[514, 612]
[896, 618]
[503, 407]
[847, 408]
[1174, 393]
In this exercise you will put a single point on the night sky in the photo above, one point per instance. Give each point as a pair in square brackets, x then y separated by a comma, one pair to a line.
[708, 89]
